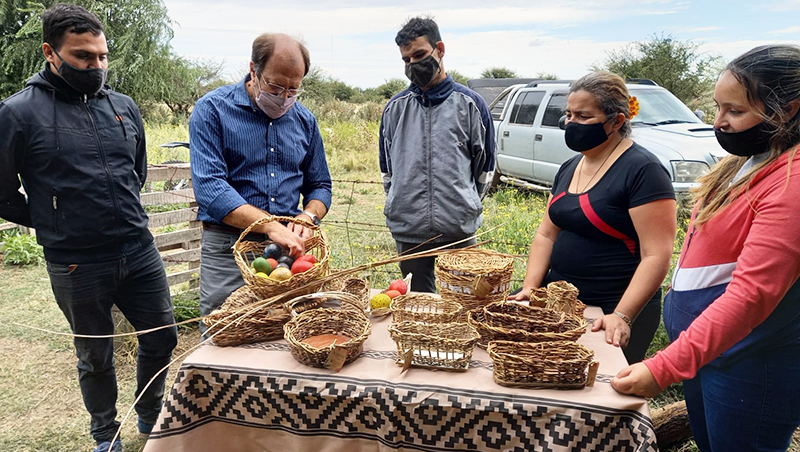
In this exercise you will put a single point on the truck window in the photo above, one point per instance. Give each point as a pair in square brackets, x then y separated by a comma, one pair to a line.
[525, 109]
[556, 108]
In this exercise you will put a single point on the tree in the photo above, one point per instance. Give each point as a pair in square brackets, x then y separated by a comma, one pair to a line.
[498, 72]
[458, 76]
[391, 87]
[671, 63]
[141, 62]
[546, 76]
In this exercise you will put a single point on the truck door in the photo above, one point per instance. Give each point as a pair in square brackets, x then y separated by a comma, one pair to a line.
[550, 150]
[515, 156]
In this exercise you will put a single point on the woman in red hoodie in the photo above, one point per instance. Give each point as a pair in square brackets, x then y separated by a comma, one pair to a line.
[733, 310]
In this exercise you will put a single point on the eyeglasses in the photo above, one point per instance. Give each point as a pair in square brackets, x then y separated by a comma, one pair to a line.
[278, 90]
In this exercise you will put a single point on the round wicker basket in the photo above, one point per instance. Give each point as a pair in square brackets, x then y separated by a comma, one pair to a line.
[474, 277]
[351, 284]
[420, 307]
[346, 322]
[232, 324]
[557, 364]
[245, 252]
[446, 346]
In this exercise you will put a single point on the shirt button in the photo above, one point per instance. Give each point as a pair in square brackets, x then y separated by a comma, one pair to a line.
[271, 149]
[272, 199]
[272, 174]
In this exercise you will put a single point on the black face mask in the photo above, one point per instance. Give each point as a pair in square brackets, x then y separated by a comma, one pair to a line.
[746, 143]
[422, 72]
[582, 137]
[84, 81]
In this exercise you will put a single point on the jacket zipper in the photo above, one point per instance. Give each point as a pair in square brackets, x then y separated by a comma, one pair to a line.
[103, 158]
[55, 210]
[430, 163]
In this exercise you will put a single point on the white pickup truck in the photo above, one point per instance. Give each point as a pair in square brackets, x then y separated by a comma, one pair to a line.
[531, 147]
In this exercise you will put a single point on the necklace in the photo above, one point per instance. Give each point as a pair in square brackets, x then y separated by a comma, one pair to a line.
[580, 169]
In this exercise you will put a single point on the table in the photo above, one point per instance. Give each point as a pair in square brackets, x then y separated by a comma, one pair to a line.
[258, 398]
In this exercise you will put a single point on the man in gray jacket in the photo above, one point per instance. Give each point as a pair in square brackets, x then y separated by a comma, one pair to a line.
[437, 154]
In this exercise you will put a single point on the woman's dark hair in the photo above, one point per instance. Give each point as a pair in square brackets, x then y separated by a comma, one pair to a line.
[416, 27]
[611, 93]
[770, 75]
[60, 19]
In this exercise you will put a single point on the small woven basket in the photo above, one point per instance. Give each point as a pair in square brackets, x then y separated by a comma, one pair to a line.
[420, 307]
[538, 297]
[560, 298]
[244, 252]
[227, 327]
[572, 328]
[350, 284]
[350, 322]
[446, 346]
[473, 277]
[330, 299]
[558, 364]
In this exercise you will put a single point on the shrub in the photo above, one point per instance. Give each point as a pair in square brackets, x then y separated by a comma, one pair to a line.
[22, 249]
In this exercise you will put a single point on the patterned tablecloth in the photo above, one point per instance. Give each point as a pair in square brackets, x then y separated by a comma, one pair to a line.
[258, 398]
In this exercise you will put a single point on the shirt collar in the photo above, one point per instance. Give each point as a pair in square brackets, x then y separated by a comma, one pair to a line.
[240, 95]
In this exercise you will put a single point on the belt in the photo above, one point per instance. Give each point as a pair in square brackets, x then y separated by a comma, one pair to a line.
[225, 229]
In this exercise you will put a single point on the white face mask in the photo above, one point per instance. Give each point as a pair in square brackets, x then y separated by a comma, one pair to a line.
[274, 106]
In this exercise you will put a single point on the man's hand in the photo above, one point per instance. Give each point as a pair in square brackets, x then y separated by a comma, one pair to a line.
[637, 380]
[287, 239]
[617, 331]
[300, 230]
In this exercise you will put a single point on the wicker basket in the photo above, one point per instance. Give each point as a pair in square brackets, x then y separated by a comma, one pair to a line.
[473, 277]
[538, 297]
[331, 299]
[381, 312]
[571, 329]
[351, 284]
[446, 346]
[420, 307]
[348, 322]
[229, 325]
[245, 252]
[517, 316]
[562, 297]
[559, 364]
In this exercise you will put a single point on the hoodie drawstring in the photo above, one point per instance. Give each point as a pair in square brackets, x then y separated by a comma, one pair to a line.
[118, 117]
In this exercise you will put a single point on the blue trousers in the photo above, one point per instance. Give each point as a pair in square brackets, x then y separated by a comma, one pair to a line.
[137, 284]
[750, 405]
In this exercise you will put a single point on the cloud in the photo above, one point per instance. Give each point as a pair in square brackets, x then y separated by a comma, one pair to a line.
[795, 29]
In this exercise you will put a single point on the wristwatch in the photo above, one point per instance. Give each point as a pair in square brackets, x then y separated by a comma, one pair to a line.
[314, 218]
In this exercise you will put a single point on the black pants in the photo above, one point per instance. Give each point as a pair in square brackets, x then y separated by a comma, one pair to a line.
[138, 286]
[423, 279]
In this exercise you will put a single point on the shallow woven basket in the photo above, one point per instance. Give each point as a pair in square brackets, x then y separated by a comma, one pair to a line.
[474, 277]
[244, 252]
[243, 327]
[518, 316]
[559, 364]
[571, 329]
[348, 322]
[446, 346]
[419, 307]
[330, 299]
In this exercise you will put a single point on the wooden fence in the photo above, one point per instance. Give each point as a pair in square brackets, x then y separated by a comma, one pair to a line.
[168, 185]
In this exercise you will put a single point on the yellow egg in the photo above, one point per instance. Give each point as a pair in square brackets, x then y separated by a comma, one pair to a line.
[261, 275]
[281, 274]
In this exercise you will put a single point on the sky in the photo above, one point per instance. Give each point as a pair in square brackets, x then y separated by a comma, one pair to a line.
[353, 41]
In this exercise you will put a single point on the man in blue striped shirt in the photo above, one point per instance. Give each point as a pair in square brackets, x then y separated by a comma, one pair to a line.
[254, 152]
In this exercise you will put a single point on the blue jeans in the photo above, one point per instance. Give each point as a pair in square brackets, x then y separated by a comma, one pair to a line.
[137, 284]
[752, 404]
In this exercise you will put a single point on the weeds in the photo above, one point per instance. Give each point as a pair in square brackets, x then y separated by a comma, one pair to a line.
[22, 249]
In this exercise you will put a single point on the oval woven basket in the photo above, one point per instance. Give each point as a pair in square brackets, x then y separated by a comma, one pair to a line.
[518, 316]
[445, 346]
[557, 364]
[244, 252]
[560, 298]
[420, 307]
[330, 299]
[348, 283]
[347, 322]
[474, 277]
[572, 328]
[232, 324]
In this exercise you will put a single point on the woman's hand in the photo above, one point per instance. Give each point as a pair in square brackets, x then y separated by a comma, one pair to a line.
[522, 295]
[617, 331]
[637, 380]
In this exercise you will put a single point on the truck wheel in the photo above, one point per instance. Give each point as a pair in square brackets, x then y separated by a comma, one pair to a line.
[495, 180]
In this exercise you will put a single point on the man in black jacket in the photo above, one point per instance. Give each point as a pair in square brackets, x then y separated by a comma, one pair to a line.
[79, 150]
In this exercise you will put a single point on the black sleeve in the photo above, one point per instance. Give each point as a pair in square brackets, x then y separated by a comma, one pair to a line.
[13, 206]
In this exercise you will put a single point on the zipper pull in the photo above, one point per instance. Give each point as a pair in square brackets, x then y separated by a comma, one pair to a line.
[85, 98]
[55, 202]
